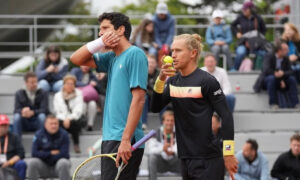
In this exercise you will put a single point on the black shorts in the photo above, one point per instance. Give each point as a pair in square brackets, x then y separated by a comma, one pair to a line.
[108, 168]
[203, 169]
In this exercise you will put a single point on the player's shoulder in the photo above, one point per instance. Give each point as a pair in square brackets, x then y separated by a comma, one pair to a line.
[136, 50]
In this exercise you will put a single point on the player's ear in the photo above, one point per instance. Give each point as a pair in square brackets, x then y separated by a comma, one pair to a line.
[194, 53]
[121, 30]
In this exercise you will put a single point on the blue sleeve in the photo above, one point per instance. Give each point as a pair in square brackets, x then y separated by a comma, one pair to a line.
[103, 61]
[76, 73]
[61, 73]
[35, 152]
[171, 32]
[40, 71]
[157, 35]
[228, 38]
[138, 70]
[63, 150]
[208, 37]
[264, 169]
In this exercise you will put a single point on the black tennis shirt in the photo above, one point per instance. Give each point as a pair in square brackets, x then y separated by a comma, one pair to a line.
[195, 97]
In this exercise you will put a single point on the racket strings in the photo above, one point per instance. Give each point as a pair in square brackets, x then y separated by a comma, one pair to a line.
[90, 171]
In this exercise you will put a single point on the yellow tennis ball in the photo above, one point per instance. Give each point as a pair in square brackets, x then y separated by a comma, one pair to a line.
[168, 59]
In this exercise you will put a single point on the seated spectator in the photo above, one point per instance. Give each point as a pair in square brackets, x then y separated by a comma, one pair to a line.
[50, 152]
[102, 83]
[246, 22]
[287, 165]
[164, 29]
[11, 149]
[292, 37]
[85, 77]
[218, 36]
[68, 106]
[163, 148]
[31, 106]
[277, 75]
[51, 70]
[253, 165]
[210, 65]
[143, 37]
[152, 75]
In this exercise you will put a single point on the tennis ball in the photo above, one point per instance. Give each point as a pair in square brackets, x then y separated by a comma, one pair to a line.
[168, 59]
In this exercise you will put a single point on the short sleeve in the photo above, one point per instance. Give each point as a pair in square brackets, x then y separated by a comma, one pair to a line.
[138, 70]
[103, 60]
[214, 91]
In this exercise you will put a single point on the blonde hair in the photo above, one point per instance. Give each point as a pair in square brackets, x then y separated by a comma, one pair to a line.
[192, 41]
[69, 77]
[296, 36]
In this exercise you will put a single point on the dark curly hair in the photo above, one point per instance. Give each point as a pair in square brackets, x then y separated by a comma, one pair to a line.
[117, 19]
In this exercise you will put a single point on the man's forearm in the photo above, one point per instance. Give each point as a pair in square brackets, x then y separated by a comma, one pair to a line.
[135, 112]
[13, 160]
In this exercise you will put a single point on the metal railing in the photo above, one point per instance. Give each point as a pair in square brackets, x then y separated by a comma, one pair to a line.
[33, 28]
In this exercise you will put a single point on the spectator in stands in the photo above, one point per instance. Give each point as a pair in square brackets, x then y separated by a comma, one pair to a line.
[210, 65]
[292, 37]
[31, 106]
[246, 22]
[85, 77]
[287, 165]
[153, 72]
[164, 29]
[143, 37]
[253, 165]
[50, 152]
[163, 148]
[51, 70]
[277, 76]
[11, 149]
[218, 37]
[102, 83]
[68, 106]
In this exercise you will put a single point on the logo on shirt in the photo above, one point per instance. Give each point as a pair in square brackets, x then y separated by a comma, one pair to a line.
[121, 66]
[227, 147]
[185, 92]
[218, 92]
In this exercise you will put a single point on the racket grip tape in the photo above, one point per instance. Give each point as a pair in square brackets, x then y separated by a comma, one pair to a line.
[143, 140]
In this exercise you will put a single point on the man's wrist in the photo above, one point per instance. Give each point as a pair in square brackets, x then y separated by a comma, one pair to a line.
[228, 147]
[95, 45]
[159, 86]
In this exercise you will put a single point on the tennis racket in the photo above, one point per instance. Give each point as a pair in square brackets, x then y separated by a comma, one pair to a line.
[90, 169]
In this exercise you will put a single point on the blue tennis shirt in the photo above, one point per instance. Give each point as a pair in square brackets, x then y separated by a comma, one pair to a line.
[126, 71]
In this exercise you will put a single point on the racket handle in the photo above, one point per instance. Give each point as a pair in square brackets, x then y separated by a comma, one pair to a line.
[143, 140]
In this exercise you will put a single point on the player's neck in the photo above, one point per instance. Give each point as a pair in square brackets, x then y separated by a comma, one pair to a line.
[122, 46]
[191, 67]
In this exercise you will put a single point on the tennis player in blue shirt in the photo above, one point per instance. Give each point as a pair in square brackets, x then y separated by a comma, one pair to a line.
[127, 69]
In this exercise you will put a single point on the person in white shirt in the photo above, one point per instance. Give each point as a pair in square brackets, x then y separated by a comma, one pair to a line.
[68, 106]
[163, 148]
[210, 66]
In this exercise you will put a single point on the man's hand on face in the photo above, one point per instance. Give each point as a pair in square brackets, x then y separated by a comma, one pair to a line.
[110, 39]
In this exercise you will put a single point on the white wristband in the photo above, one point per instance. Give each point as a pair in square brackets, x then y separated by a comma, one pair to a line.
[95, 46]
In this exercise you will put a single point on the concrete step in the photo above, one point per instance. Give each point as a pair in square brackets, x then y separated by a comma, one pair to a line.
[10, 84]
[266, 121]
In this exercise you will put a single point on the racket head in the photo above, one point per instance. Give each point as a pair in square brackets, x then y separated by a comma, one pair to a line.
[90, 169]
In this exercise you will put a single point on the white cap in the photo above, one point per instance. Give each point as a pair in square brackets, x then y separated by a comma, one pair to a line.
[217, 13]
[161, 8]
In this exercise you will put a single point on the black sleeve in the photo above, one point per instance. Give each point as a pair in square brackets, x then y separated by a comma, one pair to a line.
[43, 104]
[267, 67]
[159, 101]
[288, 71]
[18, 105]
[234, 25]
[262, 25]
[218, 101]
[278, 169]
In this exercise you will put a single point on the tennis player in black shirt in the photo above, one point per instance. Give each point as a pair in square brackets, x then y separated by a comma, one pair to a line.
[195, 95]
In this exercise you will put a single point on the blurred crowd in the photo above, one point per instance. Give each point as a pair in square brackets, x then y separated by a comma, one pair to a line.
[79, 94]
